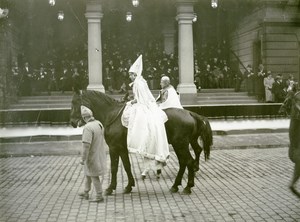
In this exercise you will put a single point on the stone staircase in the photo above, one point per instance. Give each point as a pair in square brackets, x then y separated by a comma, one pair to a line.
[56, 100]
[218, 97]
[207, 97]
[212, 103]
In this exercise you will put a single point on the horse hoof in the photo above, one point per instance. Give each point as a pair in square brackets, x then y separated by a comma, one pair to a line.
[174, 189]
[127, 190]
[186, 191]
[196, 169]
[108, 191]
[158, 173]
[143, 177]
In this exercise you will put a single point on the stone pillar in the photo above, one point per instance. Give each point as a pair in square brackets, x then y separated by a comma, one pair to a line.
[94, 15]
[185, 15]
[169, 37]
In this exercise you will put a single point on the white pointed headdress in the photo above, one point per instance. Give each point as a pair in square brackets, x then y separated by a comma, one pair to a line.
[137, 66]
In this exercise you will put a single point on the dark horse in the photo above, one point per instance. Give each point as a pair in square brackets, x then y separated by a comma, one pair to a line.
[183, 128]
[291, 106]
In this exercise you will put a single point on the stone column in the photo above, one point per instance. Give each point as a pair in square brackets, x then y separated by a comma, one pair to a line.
[185, 15]
[94, 15]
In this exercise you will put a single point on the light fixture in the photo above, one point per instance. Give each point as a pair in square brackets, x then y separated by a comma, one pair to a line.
[60, 15]
[52, 2]
[3, 12]
[214, 3]
[135, 3]
[195, 17]
[128, 16]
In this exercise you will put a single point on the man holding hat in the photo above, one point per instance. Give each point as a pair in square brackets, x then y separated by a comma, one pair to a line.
[93, 155]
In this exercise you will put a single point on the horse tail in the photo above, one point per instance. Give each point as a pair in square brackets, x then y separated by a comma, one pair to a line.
[205, 132]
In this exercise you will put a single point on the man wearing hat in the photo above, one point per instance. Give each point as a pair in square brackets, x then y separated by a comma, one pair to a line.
[168, 97]
[249, 80]
[278, 89]
[94, 155]
[145, 122]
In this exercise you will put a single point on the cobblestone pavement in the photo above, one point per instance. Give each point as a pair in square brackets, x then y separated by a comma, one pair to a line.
[234, 185]
[67, 146]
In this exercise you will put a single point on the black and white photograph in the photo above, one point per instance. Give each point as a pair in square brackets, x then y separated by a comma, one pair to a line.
[149, 110]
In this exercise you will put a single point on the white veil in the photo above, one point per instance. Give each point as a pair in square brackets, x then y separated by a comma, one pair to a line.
[140, 89]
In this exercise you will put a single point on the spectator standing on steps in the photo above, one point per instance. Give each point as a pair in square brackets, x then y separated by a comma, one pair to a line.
[278, 89]
[268, 83]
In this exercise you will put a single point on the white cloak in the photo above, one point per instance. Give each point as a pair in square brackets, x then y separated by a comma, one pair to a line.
[145, 122]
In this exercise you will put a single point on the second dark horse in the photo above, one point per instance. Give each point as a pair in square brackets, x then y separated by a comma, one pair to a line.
[183, 128]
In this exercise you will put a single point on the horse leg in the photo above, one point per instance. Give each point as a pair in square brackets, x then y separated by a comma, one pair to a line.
[182, 166]
[114, 164]
[191, 174]
[296, 177]
[127, 167]
[197, 150]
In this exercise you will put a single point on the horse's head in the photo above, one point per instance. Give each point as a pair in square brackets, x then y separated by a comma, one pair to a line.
[99, 103]
[75, 115]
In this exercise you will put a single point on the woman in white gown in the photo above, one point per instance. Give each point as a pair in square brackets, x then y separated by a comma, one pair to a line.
[145, 123]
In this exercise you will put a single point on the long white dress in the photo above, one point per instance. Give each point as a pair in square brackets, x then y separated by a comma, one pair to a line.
[268, 83]
[145, 123]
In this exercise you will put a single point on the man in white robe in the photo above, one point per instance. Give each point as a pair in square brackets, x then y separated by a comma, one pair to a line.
[168, 97]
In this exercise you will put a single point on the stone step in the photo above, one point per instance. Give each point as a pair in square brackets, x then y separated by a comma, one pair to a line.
[45, 101]
[235, 98]
[61, 97]
[218, 102]
[55, 93]
[218, 110]
[200, 94]
[217, 90]
[45, 98]
[205, 97]
[67, 103]
[41, 106]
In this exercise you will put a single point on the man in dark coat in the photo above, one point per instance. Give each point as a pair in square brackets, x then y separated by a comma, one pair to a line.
[278, 89]
[259, 87]
[249, 75]
[27, 76]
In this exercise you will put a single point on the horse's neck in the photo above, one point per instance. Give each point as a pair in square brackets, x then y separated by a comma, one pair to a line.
[105, 113]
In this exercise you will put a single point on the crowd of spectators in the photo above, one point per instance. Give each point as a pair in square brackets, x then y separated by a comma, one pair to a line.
[276, 89]
[120, 53]
[49, 76]
[264, 85]
[211, 70]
